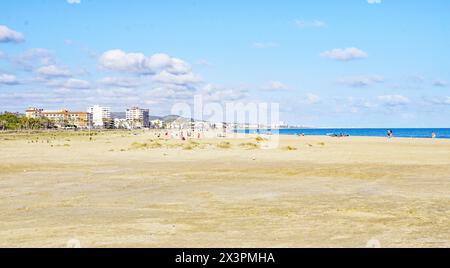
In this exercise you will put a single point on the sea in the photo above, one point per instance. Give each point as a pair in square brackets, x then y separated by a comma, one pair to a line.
[423, 133]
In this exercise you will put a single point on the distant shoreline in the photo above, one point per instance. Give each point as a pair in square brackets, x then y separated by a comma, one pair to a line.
[423, 133]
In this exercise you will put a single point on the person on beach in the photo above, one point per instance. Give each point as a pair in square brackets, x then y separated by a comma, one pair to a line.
[390, 133]
[182, 136]
[433, 135]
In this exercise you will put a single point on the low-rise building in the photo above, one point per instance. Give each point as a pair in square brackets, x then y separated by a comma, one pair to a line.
[33, 112]
[120, 123]
[157, 123]
[62, 118]
[80, 119]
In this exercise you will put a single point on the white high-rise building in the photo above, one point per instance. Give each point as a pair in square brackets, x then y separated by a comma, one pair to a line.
[101, 116]
[138, 118]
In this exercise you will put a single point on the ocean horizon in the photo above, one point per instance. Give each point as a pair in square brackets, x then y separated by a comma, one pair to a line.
[423, 133]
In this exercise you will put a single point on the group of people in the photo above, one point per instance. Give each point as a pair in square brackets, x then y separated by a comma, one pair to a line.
[183, 135]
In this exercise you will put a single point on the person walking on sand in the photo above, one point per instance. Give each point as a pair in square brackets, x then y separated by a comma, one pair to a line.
[433, 135]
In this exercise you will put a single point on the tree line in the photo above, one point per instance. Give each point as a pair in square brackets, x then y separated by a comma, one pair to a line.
[12, 121]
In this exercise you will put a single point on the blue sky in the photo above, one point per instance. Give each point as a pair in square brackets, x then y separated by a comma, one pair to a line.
[346, 63]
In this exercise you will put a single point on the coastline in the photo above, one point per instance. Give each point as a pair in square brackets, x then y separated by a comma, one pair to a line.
[420, 133]
[242, 132]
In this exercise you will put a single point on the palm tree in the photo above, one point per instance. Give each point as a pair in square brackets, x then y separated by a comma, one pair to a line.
[24, 123]
[46, 123]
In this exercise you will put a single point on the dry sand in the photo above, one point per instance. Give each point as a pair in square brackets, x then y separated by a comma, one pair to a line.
[116, 191]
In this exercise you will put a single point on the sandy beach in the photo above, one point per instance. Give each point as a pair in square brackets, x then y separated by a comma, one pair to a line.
[124, 189]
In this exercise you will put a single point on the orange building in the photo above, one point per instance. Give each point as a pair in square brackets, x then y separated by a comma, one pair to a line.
[80, 119]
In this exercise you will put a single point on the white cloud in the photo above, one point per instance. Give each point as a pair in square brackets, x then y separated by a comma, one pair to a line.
[9, 36]
[440, 101]
[275, 86]
[121, 82]
[70, 84]
[310, 24]
[138, 63]
[174, 65]
[361, 81]
[74, 1]
[118, 60]
[8, 79]
[76, 84]
[53, 71]
[393, 100]
[374, 2]
[163, 94]
[163, 68]
[34, 57]
[345, 54]
[187, 79]
[216, 93]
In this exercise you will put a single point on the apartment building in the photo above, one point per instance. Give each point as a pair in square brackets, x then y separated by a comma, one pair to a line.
[101, 116]
[138, 118]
